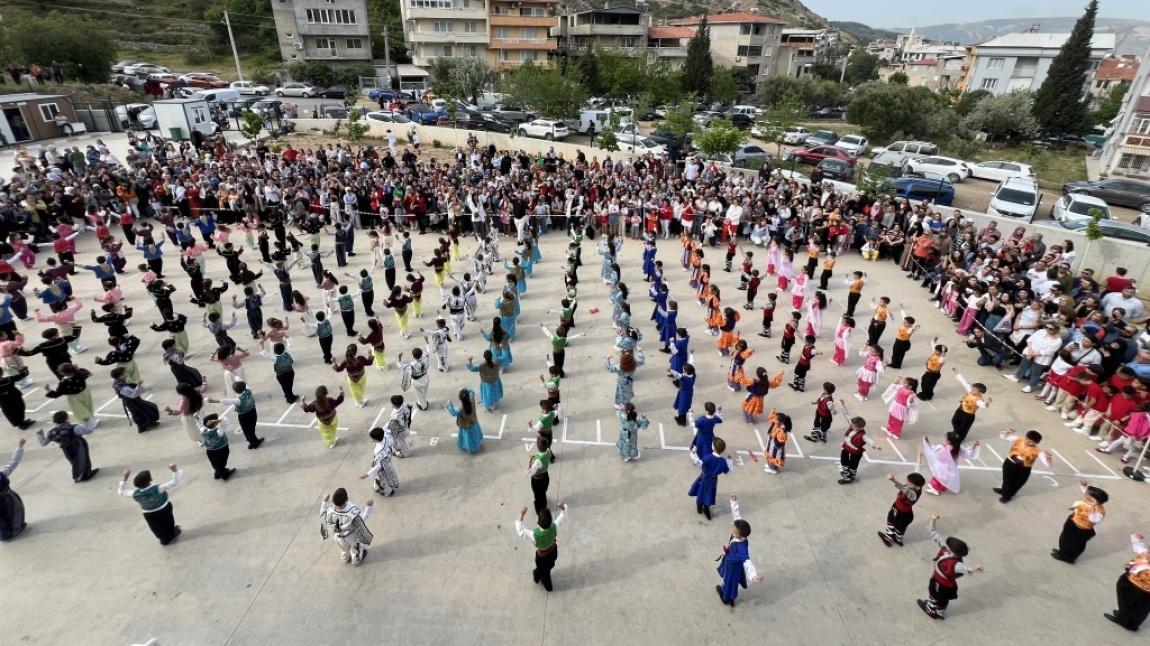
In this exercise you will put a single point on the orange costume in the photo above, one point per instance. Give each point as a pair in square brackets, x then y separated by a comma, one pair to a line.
[728, 337]
[714, 310]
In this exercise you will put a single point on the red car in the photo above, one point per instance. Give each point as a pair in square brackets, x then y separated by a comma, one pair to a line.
[203, 81]
[815, 154]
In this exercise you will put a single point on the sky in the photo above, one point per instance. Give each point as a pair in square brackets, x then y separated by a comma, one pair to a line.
[904, 13]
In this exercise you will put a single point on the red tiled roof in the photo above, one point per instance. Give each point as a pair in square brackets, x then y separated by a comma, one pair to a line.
[728, 18]
[925, 61]
[1117, 68]
[670, 32]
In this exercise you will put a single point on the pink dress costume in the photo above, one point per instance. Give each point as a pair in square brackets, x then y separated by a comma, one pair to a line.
[24, 253]
[842, 344]
[943, 462]
[13, 362]
[814, 317]
[197, 251]
[114, 295]
[799, 292]
[868, 372]
[902, 408]
[786, 273]
[772, 257]
[65, 321]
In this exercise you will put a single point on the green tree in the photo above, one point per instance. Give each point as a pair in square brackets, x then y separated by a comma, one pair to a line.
[1007, 116]
[384, 15]
[251, 125]
[1111, 105]
[86, 51]
[547, 91]
[680, 118]
[874, 180]
[968, 100]
[354, 128]
[898, 78]
[459, 78]
[699, 68]
[1093, 232]
[312, 72]
[861, 67]
[1060, 106]
[882, 109]
[607, 141]
[960, 148]
[719, 137]
[252, 25]
[775, 122]
[724, 86]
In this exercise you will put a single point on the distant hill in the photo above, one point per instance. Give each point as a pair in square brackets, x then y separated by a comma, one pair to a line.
[862, 32]
[1133, 36]
[793, 12]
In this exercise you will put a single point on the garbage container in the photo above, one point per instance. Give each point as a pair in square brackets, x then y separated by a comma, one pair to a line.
[176, 134]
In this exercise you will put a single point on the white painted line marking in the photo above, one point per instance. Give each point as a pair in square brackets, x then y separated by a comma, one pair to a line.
[662, 438]
[762, 446]
[895, 447]
[286, 413]
[798, 448]
[502, 423]
[598, 432]
[106, 404]
[1072, 467]
[1100, 462]
[996, 455]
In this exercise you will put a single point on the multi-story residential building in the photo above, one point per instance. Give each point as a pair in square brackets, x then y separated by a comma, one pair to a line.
[521, 32]
[1126, 152]
[444, 29]
[1021, 61]
[332, 31]
[800, 49]
[669, 45]
[620, 27]
[742, 39]
[1111, 72]
[935, 74]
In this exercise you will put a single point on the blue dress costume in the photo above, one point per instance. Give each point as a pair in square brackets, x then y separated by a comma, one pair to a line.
[490, 393]
[507, 320]
[707, 484]
[679, 353]
[670, 323]
[648, 260]
[470, 435]
[660, 307]
[536, 255]
[705, 434]
[731, 569]
[625, 384]
[685, 395]
[628, 443]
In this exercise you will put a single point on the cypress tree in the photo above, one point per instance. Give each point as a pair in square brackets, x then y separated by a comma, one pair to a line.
[1060, 106]
[698, 69]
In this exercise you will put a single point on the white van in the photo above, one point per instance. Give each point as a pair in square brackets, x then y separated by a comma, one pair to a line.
[601, 119]
[1015, 197]
[747, 110]
[222, 95]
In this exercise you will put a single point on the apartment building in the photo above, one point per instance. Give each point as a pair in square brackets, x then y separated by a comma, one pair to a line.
[1021, 61]
[620, 28]
[742, 39]
[444, 29]
[1126, 152]
[800, 49]
[669, 45]
[935, 74]
[330, 31]
[1112, 72]
[521, 32]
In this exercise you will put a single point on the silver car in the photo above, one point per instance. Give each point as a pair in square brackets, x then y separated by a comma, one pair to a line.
[297, 89]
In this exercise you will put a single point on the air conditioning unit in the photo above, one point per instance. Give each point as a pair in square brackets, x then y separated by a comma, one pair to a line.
[298, 45]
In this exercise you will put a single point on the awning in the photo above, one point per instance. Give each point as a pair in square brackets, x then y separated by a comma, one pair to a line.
[411, 70]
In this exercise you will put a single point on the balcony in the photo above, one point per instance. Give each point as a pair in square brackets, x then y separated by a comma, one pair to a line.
[591, 29]
[510, 65]
[580, 50]
[523, 43]
[450, 13]
[668, 52]
[463, 38]
[503, 20]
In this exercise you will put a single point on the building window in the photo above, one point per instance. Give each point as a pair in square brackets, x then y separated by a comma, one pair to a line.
[529, 33]
[501, 32]
[447, 51]
[753, 70]
[745, 30]
[1140, 125]
[537, 12]
[462, 4]
[527, 55]
[755, 50]
[989, 84]
[504, 55]
[354, 43]
[328, 44]
[996, 63]
[742, 51]
[289, 35]
[49, 111]
[432, 4]
[499, 11]
[472, 50]
[444, 26]
[469, 26]
[294, 56]
[627, 41]
[330, 16]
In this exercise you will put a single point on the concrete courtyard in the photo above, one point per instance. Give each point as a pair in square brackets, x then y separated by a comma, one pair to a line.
[636, 564]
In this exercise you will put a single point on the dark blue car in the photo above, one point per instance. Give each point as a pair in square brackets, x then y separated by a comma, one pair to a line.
[932, 188]
[424, 114]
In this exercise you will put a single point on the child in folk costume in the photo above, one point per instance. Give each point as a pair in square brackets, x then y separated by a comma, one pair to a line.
[679, 350]
[348, 524]
[490, 383]
[1018, 463]
[415, 373]
[705, 428]
[689, 246]
[752, 289]
[974, 399]
[776, 453]
[773, 258]
[398, 426]
[933, 371]
[630, 423]
[824, 414]
[828, 268]
[325, 409]
[1079, 526]
[745, 270]
[685, 382]
[786, 270]
[469, 433]
[877, 325]
[735, 566]
[869, 371]
[815, 314]
[756, 391]
[943, 462]
[625, 382]
[696, 267]
[855, 443]
[1133, 588]
[948, 568]
[789, 332]
[715, 316]
[153, 501]
[356, 367]
[901, 512]
[902, 406]
[543, 538]
[703, 290]
[670, 325]
[843, 340]
[736, 375]
[799, 292]
[728, 337]
[803, 366]
[769, 314]
[711, 466]
[902, 340]
[437, 340]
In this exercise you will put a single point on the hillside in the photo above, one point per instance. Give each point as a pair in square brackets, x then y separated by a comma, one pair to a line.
[862, 32]
[1133, 35]
[795, 13]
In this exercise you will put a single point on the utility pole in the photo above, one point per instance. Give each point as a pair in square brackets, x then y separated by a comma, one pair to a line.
[846, 61]
[386, 61]
[235, 54]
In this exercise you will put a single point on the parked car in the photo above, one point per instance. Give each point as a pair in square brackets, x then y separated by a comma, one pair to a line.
[496, 122]
[744, 156]
[639, 145]
[518, 115]
[144, 69]
[1015, 197]
[829, 113]
[815, 154]
[912, 149]
[376, 94]
[747, 110]
[297, 89]
[668, 139]
[627, 130]
[218, 95]
[795, 135]
[893, 164]
[247, 87]
[340, 111]
[384, 116]
[1076, 206]
[998, 170]
[1115, 190]
[265, 106]
[545, 128]
[203, 81]
[953, 169]
[134, 115]
[118, 67]
[334, 92]
[856, 145]
[827, 137]
[931, 188]
[1113, 229]
[704, 119]
[836, 169]
[470, 121]
[741, 121]
[424, 114]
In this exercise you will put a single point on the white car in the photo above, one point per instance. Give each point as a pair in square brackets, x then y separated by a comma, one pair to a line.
[297, 89]
[247, 87]
[545, 128]
[145, 68]
[143, 113]
[627, 130]
[639, 145]
[854, 144]
[1073, 207]
[998, 170]
[795, 135]
[953, 169]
